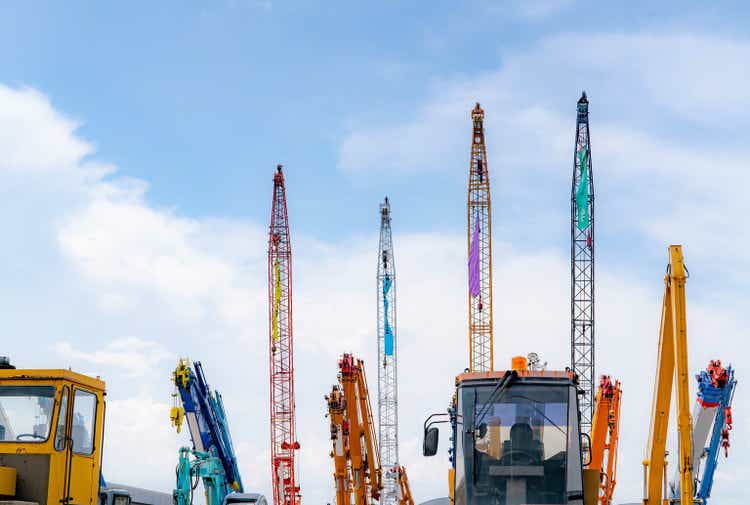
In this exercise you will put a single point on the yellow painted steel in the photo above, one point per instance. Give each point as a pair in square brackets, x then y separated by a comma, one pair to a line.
[180, 377]
[276, 301]
[7, 481]
[72, 477]
[451, 485]
[672, 363]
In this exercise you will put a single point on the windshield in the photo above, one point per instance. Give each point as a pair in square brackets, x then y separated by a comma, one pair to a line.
[26, 413]
[514, 448]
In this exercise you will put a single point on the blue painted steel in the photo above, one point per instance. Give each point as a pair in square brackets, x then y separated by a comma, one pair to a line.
[708, 394]
[388, 334]
[714, 447]
[202, 466]
[213, 428]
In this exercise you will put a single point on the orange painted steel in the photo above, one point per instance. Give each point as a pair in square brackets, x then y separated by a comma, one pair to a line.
[358, 472]
[340, 442]
[605, 434]
[404, 489]
[481, 347]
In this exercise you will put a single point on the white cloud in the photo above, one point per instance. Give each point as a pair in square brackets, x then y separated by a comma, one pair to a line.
[196, 286]
[135, 356]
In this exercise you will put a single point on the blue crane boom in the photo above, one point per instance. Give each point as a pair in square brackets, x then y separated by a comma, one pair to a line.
[203, 410]
[719, 436]
[712, 420]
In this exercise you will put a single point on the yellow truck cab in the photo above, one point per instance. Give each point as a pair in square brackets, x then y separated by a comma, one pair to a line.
[51, 430]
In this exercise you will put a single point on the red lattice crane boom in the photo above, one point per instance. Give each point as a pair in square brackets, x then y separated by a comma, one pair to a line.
[284, 444]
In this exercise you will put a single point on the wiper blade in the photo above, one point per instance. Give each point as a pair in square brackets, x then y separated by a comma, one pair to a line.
[495, 395]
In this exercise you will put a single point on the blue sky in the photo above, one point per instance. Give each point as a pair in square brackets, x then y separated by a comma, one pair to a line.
[138, 143]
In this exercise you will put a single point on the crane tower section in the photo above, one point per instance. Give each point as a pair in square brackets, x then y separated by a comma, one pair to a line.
[387, 360]
[479, 238]
[582, 264]
[284, 444]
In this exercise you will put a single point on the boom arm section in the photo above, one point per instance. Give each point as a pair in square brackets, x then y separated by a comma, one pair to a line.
[405, 497]
[352, 423]
[672, 364]
[719, 437]
[203, 410]
[340, 442]
[605, 434]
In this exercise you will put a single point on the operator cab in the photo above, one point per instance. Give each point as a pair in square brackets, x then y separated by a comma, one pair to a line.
[516, 439]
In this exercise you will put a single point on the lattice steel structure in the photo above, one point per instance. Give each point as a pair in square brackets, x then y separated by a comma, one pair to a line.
[387, 360]
[582, 265]
[284, 444]
[480, 243]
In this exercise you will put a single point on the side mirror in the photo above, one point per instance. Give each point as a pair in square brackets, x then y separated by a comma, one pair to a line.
[430, 443]
[585, 449]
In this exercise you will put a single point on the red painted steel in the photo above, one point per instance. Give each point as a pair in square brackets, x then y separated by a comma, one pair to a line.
[284, 445]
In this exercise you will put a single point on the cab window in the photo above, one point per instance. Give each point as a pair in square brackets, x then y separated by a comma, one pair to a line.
[26, 413]
[84, 419]
[62, 418]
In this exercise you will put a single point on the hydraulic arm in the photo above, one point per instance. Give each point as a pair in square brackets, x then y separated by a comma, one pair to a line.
[214, 460]
[672, 366]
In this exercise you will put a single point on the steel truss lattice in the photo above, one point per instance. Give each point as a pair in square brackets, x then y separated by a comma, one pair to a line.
[582, 271]
[387, 360]
[481, 349]
[284, 444]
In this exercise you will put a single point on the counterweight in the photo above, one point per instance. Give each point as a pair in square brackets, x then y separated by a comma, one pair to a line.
[284, 444]
[387, 360]
[479, 241]
[582, 265]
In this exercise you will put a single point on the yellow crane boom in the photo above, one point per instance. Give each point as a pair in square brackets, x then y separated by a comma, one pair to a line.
[672, 363]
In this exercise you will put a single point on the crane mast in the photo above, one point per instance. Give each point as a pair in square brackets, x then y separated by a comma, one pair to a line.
[387, 359]
[582, 265]
[284, 444]
[479, 241]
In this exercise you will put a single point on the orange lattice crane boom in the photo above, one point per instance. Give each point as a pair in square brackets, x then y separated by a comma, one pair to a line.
[479, 243]
[605, 434]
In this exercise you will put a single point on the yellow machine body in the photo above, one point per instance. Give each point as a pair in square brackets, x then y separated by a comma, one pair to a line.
[51, 431]
[7, 481]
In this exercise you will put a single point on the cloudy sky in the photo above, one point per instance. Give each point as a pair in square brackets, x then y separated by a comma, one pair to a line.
[137, 149]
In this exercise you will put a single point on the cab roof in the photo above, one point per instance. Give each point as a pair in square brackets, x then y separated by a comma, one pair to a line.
[565, 375]
[51, 375]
